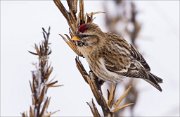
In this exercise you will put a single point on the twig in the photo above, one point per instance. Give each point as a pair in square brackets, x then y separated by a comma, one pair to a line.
[40, 84]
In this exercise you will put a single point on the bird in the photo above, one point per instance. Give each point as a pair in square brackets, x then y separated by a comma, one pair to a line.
[111, 57]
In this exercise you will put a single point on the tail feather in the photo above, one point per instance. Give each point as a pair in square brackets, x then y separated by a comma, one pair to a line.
[154, 80]
[159, 80]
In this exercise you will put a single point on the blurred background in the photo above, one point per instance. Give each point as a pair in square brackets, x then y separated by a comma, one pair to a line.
[152, 26]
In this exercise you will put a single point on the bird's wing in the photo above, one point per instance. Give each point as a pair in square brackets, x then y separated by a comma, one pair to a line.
[117, 58]
[112, 65]
[139, 58]
[135, 70]
[122, 58]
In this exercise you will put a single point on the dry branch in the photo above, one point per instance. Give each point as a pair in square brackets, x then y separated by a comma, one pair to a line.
[40, 80]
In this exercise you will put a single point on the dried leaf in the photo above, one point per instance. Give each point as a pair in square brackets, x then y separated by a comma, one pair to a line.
[65, 14]
[51, 84]
[31, 86]
[42, 94]
[71, 45]
[81, 13]
[94, 109]
[111, 94]
[33, 53]
[45, 106]
[37, 49]
[31, 112]
[121, 107]
[61, 8]
[122, 97]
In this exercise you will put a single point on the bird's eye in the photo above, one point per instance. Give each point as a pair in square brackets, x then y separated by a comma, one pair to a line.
[82, 28]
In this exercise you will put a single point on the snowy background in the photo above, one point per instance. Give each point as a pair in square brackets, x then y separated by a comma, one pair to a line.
[21, 24]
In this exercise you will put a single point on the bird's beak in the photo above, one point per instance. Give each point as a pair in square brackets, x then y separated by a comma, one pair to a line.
[75, 38]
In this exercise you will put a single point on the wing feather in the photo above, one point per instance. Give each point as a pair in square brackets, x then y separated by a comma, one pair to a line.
[139, 58]
[116, 59]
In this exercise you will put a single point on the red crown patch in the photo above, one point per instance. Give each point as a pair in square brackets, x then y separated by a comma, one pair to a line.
[82, 28]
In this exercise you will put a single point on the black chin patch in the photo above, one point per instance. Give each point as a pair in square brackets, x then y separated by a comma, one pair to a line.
[80, 43]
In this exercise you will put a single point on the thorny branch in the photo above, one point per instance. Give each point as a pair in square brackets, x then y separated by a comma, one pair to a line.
[110, 106]
[40, 80]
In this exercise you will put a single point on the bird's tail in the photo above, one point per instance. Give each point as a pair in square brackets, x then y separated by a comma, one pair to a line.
[154, 80]
[158, 80]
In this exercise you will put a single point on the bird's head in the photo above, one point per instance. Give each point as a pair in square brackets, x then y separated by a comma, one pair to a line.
[88, 35]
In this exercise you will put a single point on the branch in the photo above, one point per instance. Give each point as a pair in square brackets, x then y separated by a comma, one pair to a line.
[40, 80]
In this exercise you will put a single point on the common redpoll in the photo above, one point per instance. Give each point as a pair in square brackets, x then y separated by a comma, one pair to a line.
[110, 56]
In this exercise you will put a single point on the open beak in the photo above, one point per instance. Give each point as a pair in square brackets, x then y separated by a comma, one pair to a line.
[75, 38]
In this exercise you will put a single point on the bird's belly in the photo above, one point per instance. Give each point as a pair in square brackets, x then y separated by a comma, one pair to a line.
[101, 72]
